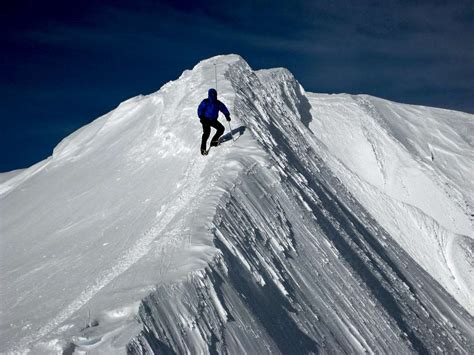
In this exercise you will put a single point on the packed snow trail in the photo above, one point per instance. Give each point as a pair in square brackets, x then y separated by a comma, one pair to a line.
[135, 253]
[142, 184]
[134, 241]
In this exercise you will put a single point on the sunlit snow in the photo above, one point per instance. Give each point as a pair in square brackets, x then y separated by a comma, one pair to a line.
[333, 223]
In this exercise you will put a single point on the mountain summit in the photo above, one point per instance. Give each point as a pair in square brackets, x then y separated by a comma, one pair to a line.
[333, 223]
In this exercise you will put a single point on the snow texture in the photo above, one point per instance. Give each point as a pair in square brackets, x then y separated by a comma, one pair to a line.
[333, 223]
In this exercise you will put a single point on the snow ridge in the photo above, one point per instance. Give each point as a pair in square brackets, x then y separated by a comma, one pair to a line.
[288, 255]
[298, 234]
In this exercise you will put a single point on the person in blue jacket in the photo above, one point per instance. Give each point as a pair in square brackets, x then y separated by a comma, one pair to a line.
[208, 111]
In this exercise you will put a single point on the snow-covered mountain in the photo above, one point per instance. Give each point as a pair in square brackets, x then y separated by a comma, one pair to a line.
[333, 223]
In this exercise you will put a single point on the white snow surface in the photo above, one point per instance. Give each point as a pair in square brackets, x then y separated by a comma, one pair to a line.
[126, 206]
[412, 168]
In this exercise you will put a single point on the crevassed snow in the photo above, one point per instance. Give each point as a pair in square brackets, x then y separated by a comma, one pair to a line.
[307, 232]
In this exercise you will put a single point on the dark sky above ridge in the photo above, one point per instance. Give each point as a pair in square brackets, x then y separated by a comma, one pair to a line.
[65, 63]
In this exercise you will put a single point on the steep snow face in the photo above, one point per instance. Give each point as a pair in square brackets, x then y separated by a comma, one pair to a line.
[410, 166]
[279, 242]
[303, 267]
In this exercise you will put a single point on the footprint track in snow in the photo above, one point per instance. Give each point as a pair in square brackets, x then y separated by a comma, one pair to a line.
[186, 201]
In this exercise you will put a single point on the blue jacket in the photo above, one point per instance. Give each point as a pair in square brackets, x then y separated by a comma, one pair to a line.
[210, 107]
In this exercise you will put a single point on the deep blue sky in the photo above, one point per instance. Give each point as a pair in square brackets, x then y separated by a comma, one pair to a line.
[65, 63]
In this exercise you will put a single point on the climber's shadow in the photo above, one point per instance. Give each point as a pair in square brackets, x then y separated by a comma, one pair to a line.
[227, 137]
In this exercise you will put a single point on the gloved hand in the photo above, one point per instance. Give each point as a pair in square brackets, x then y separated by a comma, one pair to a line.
[201, 119]
[227, 118]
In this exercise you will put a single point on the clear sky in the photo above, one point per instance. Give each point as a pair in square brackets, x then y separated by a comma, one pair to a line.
[65, 63]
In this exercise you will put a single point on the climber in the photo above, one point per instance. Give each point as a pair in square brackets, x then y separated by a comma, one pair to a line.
[208, 111]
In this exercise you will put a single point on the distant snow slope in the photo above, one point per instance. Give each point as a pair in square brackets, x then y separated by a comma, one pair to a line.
[333, 223]
[411, 168]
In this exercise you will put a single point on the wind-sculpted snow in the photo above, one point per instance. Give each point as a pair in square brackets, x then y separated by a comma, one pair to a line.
[284, 241]
[410, 167]
[304, 268]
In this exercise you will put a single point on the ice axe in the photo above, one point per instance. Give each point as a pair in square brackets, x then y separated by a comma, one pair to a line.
[230, 128]
[215, 76]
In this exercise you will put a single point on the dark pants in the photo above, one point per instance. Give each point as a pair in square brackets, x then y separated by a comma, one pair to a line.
[206, 131]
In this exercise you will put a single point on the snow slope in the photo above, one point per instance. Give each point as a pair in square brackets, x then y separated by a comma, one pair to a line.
[411, 167]
[332, 223]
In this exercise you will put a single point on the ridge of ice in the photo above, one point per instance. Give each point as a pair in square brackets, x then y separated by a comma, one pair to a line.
[126, 206]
